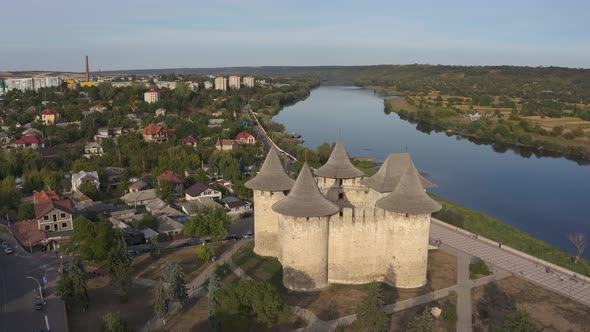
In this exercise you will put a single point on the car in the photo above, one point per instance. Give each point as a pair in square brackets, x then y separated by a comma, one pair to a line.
[38, 304]
[248, 235]
[231, 237]
[8, 250]
[5, 244]
[132, 252]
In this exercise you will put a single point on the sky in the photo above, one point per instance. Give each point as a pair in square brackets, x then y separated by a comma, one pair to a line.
[130, 34]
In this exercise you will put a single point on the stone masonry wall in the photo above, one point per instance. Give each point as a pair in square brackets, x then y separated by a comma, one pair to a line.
[304, 253]
[266, 223]
[407, 253]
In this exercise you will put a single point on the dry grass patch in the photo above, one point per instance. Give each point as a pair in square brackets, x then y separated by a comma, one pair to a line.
[145, 266]
[103, 299]
[551, 311]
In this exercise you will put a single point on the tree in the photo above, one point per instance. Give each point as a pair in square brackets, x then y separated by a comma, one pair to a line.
[251, 301]
[26, 212]
[421, 323]
[519, 321]
[113, 323]
[166, 190]
[89, 189]
[9, 195]
[178, 290]
[92, 240]
[371, 316]
[213, 289]
[148, 221]
[205, 252]
[154, 247]
[207, 221]
[119, 267]
[161, 302]
[71, 286]
[169, 271]
[579, 242]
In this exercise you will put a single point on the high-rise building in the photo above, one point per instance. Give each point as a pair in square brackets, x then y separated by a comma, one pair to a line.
[248, 81]
[234, 82]
[152, 96]
[208, 85]
[221, 83]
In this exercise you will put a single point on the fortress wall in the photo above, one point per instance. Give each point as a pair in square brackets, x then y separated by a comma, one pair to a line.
[357, 242]
[406, 256]
[304, 254]
[266, 223]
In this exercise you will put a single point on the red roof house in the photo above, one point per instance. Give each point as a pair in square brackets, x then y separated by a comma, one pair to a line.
[30, 140]
[245, 138]
[190, 140]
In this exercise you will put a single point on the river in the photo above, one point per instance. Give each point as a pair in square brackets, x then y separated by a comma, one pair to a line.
[545, 196]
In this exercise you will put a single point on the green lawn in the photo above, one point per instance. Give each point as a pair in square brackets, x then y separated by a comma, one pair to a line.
[261, 268]
[497, 230]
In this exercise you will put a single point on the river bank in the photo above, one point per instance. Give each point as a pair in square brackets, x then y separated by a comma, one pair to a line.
[495, 126]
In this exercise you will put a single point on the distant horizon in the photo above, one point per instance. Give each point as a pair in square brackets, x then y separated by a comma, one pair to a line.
[123, 35]
[93, 71]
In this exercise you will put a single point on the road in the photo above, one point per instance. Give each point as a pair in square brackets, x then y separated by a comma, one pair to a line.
[17, 292]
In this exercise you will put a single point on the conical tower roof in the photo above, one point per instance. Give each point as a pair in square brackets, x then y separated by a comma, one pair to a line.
[409, 195]
[389, 174]
[305, 199]
[272, 176]
[338, 165]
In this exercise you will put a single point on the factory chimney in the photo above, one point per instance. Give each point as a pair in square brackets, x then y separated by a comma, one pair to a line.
[87, 70]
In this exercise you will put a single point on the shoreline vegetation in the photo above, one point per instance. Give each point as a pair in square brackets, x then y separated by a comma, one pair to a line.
[452, 213]
[500, 129]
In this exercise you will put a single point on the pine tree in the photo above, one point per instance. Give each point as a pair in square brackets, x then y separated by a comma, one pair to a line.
[72, 284]
[161, 301]
[119, 267]
[154, 247]
[422, 323]
[178, 290]
[169, 271]
[371, 316]
[214, 284]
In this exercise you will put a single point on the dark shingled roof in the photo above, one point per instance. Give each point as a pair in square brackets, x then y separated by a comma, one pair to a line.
[272, 176]
[409, 195]
[389, 174]
[338, 165]
[305, 199]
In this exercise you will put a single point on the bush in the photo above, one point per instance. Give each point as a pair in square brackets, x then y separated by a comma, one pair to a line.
[480, 268]
[205, 252]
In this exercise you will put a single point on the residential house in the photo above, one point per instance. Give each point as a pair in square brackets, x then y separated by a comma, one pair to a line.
[227, 184]
[171, 177]
[245, 138]
[84, 177]
[98, 108]
[224, 144]
[28, 234]
[138, 185]
[52, 212]
[201, 202]
[190, 140]
[32, 141]
[93, 149]
[49, 116]
[103, 133]
[235, 205]
[139, 197]
[213, 123]
[152, 95]
[160, 112]
[199, 190]
[154, 133]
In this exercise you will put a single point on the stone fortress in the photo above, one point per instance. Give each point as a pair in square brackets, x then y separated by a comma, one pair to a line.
[341, 227]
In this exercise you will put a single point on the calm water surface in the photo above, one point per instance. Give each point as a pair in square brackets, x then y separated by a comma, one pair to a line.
[546, 197]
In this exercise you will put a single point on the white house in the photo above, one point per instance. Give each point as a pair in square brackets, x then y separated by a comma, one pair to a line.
[199, 190]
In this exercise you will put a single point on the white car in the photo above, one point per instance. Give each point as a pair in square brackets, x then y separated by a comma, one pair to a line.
[248, 235]
[8, 250]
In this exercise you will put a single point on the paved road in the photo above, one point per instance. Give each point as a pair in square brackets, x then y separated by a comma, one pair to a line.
[528, 268]
[17, 292]
[464, 311]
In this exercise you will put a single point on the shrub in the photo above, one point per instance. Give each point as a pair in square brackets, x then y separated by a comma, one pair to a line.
[449, 313]
[205, 253]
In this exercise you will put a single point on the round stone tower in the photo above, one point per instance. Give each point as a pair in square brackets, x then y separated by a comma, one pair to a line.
[304, 217]
[337, 174]
[268, 186]
[407, 213]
